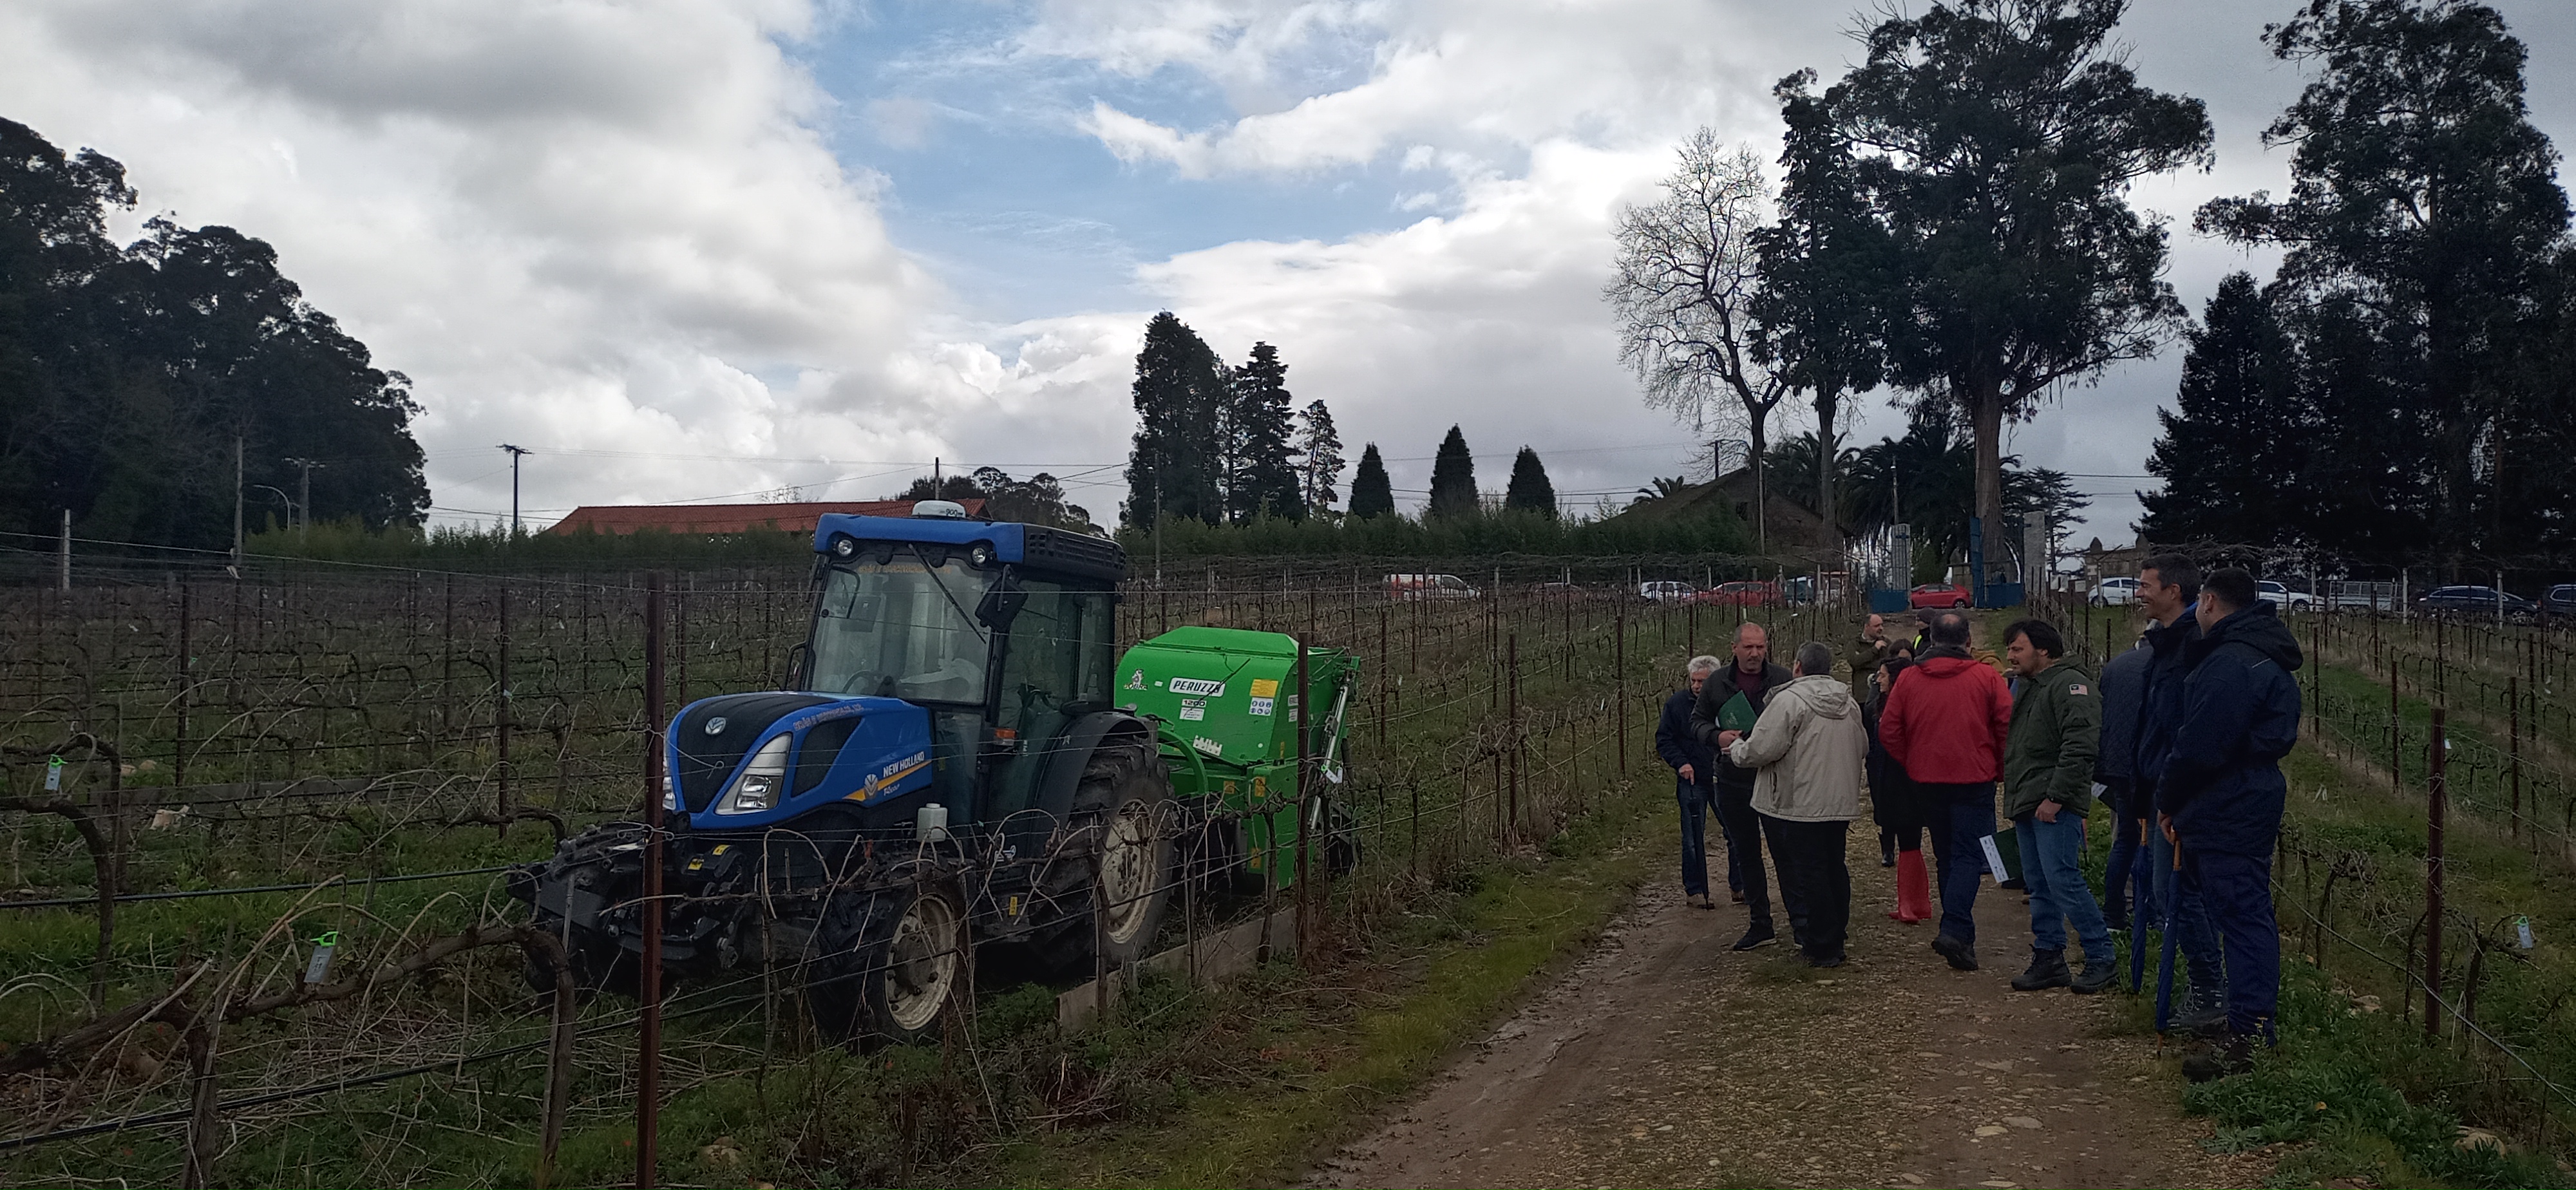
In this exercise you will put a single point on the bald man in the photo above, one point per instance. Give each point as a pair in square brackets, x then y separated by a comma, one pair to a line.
[1752, 677]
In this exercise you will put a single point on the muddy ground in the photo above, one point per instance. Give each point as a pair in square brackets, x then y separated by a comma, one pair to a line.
[1665, 1059]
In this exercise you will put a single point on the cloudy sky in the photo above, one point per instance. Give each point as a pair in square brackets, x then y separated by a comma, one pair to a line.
[698, 249]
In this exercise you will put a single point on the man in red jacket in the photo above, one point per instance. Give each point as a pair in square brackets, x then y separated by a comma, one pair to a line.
[1946, 722]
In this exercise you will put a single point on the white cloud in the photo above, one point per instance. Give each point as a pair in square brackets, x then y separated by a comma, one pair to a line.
[619, 227]
[587, 225]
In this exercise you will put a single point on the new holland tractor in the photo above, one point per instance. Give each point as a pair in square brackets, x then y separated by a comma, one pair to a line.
[960, 759]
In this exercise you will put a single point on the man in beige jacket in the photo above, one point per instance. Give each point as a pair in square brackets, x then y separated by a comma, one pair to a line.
[1808, 748]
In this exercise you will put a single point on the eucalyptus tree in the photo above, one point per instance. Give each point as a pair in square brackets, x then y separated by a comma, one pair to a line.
[1997, 141]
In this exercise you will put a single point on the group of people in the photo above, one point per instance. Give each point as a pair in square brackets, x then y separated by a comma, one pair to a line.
[2178, 738]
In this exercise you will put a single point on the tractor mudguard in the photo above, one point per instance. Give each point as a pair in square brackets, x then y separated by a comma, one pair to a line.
[1072, 753]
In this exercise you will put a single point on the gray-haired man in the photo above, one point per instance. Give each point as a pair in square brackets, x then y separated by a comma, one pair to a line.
[1694, 776]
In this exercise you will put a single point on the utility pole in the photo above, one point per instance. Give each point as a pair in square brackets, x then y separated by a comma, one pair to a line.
[516, 452]
[303, 509]
[66, 576]
[237, 506]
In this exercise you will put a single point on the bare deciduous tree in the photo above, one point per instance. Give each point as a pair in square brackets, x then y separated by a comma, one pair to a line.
[1687, 280]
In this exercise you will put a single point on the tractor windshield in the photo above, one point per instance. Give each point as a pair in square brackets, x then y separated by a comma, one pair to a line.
[900, 628]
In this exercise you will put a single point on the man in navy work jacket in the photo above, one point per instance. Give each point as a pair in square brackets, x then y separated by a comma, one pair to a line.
[2169, 591]
[2221, 794]
[1694, 778]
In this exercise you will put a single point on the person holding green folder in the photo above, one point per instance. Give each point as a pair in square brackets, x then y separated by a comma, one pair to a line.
[1730, 703]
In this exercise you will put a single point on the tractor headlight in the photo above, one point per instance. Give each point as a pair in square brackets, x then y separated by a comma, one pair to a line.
[757, 788]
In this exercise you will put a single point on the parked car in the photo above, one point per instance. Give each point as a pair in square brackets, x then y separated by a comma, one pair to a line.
[1936, 595]
[2474, 601]
[2283, 598]
[2117, 591]
[1745, 593]
[1666, 592]
[2560, 600]
[1429, 587]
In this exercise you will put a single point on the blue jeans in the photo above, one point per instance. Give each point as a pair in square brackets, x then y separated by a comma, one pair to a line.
[2238, 891]
[2193, 935]
[2052, 868]
[1695, 812]
[1959, 828]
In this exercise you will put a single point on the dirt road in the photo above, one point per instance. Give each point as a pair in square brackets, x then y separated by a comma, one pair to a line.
[1664, 1059]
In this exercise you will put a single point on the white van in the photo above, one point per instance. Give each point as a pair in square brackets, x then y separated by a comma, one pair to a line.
[2118, 591]
[1429, 586]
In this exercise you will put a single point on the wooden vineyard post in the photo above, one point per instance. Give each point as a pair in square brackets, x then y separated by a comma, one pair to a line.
[1512, 739]
[2513, 751]
[502, 806]
[1619, 668]
[648, 1072]
[1296, 707]
[2435, 804]
[179, 750]
[205, 1127]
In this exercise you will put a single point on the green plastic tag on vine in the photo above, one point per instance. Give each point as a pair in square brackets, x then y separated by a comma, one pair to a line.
[53, 774]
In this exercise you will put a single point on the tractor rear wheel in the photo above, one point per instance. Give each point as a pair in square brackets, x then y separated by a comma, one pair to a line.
[1123, 815]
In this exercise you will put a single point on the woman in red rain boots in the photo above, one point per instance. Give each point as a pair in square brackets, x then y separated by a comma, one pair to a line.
[1895, 805]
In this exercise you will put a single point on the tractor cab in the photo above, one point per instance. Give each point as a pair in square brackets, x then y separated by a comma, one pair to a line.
[1004, 634]
[946, 658]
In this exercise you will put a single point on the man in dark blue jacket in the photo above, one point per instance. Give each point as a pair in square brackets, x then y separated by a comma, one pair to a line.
[2169, 590]
[1694, 772]
[2221, 793]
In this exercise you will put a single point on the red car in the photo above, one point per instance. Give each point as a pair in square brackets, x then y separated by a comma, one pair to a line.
[1748, 593]
[1936, 595]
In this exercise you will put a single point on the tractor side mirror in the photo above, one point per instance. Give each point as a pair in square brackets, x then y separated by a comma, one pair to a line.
[797, 659]
[1000, 605]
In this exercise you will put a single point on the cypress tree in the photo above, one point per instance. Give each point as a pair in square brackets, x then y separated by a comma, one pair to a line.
[1262, 480]
[1530, 490]
[1372, 494]
[1453, 478]
[2236, 447]
[1179, 394]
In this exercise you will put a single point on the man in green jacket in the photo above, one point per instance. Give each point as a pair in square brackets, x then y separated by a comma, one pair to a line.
[2048, 789]
[1866, 653]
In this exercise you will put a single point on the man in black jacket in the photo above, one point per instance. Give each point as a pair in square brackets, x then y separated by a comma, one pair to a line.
[2221, 794]
[1694, 775]
[1753, 677]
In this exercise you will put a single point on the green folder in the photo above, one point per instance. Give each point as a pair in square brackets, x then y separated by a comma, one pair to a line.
[1737, 714]
[2003, 855]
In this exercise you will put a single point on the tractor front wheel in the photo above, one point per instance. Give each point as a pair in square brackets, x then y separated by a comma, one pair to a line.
[890, 961]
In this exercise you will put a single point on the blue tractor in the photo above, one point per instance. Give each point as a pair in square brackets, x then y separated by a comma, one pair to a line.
[949, 766]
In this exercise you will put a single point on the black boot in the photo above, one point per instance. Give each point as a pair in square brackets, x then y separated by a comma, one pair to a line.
[2096, 977]
[2204, 1013]
[2232, 1056]
[2047, 970]
[1886, 849]
[1961, 953]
